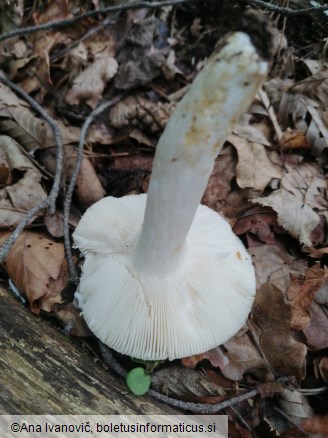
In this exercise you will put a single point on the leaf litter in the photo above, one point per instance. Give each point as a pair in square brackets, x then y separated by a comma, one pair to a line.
[270, 183]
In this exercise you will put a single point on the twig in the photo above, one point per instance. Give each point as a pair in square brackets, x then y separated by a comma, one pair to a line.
[50, 201]
[203, 408]
[75, 173]
[287, 11]
[68, 22]
[54, 58]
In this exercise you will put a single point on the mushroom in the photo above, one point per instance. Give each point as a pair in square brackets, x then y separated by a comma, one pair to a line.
[165, 277]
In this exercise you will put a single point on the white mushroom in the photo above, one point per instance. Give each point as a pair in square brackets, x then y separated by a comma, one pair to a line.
[163, 276]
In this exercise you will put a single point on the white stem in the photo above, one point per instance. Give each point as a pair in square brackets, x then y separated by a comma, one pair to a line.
[186, 151]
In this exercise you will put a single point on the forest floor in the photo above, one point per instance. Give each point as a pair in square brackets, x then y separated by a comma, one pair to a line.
[108, 81]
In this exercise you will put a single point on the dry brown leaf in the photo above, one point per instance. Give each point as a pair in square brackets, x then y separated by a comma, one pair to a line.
[39, 77]
[300, 293]
[220, 193]
[215, 356]
[169, 68]
[139, 73]
[54, 223]
[268, 259]
[20, 197]
[9, 216]
[314, 86]
[5, 176]
[54, 10]
[295, 405]
[236, 431]
[254, 132]
[134, 163]
[255, 168]
[317, 424]
[323, 367]
[176, 381]
[244, 358]
[258, 222]
[272, 315]
[265, 100]
[316, 332]
[71, 320]
[18, 121]
[11, 17]
[320, 366]
[321, 297]
[293, 139]
[140, 61]
[293, 215]
[37, 266]
[301, 196]
[27, 129]
[90, 84]
[88, 187]
[306, 119]
[101, 133]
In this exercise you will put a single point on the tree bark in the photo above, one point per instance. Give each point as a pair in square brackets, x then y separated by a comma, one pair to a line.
[42, 371]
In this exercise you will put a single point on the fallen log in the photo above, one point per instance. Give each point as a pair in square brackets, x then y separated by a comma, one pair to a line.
[43, 371]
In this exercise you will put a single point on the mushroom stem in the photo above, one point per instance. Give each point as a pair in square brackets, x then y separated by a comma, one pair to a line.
[187, 149]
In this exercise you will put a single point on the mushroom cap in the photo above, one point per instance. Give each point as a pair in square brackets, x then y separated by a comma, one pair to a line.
[198, 306]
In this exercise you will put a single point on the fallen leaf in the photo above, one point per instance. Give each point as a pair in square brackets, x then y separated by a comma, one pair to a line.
[180, 382]
[295, 405]
[272, 315]
[317, 424]
[88, 188]
[90, 84]
[258, 222]
[306, 119]
[139, 73]
[215, 356]
[236, 431]
[54, 223]
[320, 365]
[292, 139]
[255, 169]
[253, 132]
[71, 320]
[37, 266]
[222, 194]
[268, 259]
[19, 197]
[169, 68]
[298, 200]
[300, 293]
[244, 358]
[53, 11]
[33, 133]
[316, 332]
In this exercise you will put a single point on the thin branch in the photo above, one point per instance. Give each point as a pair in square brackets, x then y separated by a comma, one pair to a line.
[287, 11]
[58, 24]
[203, 408]
[50, 201]
[108, 21]
[75, 173]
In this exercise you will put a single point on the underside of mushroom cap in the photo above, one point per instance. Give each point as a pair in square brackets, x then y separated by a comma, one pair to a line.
[198, 306]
